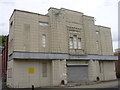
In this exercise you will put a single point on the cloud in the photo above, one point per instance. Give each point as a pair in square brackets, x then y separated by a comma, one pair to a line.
[108, 3]
[2, 24]
[7, 2]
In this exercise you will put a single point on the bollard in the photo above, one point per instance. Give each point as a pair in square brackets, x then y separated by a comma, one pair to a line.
[32, 87]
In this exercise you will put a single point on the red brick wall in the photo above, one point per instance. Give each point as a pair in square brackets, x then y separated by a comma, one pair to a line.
[4, 60]
[117, 64]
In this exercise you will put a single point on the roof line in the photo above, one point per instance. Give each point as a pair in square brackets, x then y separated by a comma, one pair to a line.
[25, 12]
[103, 26]
[72, 10]
[88, 16]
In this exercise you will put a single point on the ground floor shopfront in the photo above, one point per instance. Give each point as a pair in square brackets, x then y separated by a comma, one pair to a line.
[52, 70]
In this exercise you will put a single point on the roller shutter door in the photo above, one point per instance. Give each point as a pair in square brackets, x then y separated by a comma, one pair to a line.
[77, 73]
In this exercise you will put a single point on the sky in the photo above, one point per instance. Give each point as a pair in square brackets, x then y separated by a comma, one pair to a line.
[104, 11]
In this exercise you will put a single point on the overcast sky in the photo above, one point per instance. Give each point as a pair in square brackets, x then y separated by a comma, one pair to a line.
[104, 11]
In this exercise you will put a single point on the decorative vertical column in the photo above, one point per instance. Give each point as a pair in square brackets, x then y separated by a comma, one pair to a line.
[58, 31]
[58, 72]
[55, 72]
[92, 70]
[64, 71]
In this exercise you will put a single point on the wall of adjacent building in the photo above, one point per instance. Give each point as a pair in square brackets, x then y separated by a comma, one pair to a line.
[0, 65]
[10, 74]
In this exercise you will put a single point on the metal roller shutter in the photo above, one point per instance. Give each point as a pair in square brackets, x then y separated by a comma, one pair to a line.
[77, 73]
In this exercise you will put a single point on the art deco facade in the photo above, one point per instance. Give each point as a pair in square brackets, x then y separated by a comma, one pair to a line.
[61, 46]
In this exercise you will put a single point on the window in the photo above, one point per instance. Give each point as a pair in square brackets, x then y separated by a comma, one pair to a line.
[79, 43]
[11, 23]
[71, 43]
[43, 23]
[97, 32]
[10, 73]
[75, 41]
[44, 69]
[97, 45]
[43, 40]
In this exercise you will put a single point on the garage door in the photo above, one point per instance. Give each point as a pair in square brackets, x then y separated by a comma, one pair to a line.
[77, 73]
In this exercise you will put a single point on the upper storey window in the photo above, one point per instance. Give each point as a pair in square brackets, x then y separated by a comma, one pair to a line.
[75, 41]
[43, 40]
[11, 24]
[97, 45]
[79, 43]
[71, 42]
[43, 23]
[97, 32]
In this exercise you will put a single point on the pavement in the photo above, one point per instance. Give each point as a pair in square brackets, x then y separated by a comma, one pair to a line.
[108, 84]
[112, 85]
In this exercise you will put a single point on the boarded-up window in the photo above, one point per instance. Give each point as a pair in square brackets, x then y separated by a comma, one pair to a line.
[100, 66]
[26, 36]
[97, 45]
[44, 69]
[10, 73]
[11, 24]
[43, 40]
